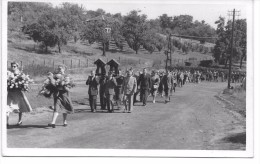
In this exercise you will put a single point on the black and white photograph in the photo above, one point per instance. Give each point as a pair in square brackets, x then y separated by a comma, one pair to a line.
[127, 78]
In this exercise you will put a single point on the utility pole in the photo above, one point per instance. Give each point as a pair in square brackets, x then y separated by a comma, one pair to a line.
[170, 46]
[233, 13]
[168, 54]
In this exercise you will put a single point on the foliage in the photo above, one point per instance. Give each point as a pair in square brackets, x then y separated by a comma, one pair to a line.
[135, 29]
[206, 63]
[222, 49]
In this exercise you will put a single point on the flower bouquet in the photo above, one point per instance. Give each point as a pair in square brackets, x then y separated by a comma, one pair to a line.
[19, 81]
[54, 83]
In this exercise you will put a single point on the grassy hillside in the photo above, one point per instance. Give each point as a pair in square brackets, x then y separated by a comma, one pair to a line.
[80, 56]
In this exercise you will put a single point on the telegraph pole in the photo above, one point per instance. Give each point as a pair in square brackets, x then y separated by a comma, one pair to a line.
[170, 42]
[233, 13]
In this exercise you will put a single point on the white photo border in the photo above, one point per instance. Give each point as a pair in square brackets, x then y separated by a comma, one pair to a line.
[139, 153]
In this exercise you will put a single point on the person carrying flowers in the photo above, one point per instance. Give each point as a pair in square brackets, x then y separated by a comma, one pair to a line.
[59, 85]
[17, 84]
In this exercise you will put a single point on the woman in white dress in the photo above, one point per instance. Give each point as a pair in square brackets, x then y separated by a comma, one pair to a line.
[16, 99]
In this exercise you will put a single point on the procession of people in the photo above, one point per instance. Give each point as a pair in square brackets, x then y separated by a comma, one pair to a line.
[116, 90]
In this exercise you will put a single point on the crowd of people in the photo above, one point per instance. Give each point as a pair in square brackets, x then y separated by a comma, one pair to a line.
[118, 90]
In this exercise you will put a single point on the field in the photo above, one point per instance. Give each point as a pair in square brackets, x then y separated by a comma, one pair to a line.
[207, 121]
[79, 57]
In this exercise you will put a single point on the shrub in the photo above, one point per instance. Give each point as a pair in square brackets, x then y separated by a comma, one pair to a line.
[206, 63]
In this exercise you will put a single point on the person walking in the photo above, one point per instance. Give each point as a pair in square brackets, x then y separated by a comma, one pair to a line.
[167, 82]
[16, 99]
[110, 91]
[118, 90]
[128, 89]
[145, 85]
[102, 95]
[61, 95]
[137, 87]
[155, 81]
[93, 82]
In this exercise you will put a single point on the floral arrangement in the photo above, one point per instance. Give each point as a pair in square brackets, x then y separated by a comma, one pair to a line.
[54, 83]
[18, 81]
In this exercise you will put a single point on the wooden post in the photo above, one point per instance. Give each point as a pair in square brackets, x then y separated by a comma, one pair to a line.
[119, 59]
[53, 63]
[63, 62]
[87, 62]
[139, 61]
[71, 63]
[44, 62]
[21, 63]
[33, 62]
[79, 63]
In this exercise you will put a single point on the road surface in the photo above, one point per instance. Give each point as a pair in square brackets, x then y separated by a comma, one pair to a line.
[194, 120]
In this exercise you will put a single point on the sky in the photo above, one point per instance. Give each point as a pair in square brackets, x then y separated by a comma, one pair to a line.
[200, 10]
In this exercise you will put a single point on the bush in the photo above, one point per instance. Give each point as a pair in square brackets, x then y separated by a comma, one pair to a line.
[206, 63]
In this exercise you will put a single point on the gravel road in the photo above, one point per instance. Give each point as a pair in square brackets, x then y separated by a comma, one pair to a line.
[194, 120]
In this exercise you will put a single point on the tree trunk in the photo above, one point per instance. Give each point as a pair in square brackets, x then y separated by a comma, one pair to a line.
[59, 47]
[226, 62]
[104, 49]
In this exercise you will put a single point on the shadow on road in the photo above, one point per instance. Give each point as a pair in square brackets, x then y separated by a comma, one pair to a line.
[27, 126]
[236, 138]
[97, 111]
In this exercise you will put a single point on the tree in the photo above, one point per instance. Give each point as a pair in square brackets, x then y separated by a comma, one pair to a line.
[135, 29]
[51, 29]
[165, 21]
[102, 29]
[96, 32]
[39, 33]
[222, 49]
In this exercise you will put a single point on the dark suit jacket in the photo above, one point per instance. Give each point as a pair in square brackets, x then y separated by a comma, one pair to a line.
[167, 81]
[110, 86]
[93, 85]
[144, 81]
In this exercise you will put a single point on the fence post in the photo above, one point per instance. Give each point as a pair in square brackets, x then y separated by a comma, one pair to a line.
[53, 63]
[71, 63]
[33, 62]
[63, 62]
[87, 62]
[119, 59]
[21, 63]
[139, 61]
[44, 62]
[79, 63]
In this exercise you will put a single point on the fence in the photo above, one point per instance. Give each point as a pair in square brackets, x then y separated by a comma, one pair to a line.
[86, 63]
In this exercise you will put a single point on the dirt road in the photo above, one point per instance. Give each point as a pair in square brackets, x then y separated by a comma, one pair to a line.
[194, 119]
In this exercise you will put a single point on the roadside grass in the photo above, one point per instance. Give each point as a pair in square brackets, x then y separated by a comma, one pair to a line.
[238, 97]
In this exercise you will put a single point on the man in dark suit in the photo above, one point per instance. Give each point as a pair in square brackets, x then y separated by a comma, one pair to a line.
[102, 88]
[145, 84]
[110, 91]
[93, 82]
[138, 88]
[167, 82]
[118, 91]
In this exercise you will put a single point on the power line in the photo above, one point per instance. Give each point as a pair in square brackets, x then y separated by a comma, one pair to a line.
[196, 37]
